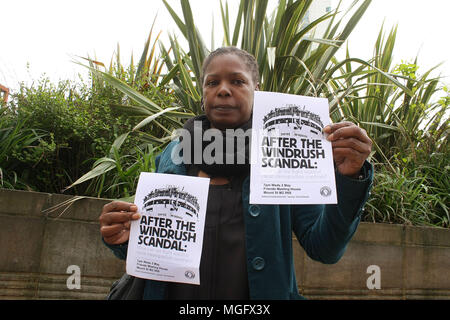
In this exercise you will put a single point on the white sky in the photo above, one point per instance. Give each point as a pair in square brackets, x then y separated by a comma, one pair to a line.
[48, 34]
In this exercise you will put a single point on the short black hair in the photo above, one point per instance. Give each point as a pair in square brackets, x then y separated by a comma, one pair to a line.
[248, 59]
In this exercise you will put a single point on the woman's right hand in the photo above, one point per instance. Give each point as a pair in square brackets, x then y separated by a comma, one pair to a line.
[115, 221]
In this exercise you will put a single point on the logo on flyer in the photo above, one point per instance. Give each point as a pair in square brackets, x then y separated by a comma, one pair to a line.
[325, 191]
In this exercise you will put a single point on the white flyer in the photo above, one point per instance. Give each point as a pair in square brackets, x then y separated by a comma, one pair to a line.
[166, 241]
[291, 161]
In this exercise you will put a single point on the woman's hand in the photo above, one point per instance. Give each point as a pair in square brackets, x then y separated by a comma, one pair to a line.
[351, 147]
[115, 221]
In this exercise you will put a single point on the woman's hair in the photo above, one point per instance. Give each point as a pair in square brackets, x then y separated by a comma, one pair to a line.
[246, 57]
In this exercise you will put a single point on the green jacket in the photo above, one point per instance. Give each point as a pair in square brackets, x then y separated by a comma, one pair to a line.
[322, 230]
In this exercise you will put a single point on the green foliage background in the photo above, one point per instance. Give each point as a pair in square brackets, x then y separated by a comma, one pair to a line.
[94, 138]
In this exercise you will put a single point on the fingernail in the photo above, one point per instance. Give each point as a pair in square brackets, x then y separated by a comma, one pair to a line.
[133, 207]
[136, 216]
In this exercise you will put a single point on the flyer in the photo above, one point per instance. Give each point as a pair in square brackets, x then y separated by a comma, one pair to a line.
[166, 241]
[291, 160]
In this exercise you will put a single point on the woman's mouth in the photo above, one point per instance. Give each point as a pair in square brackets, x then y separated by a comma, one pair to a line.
[224, 108]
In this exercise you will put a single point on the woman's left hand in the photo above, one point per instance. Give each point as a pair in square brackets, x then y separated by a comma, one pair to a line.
[351, 147]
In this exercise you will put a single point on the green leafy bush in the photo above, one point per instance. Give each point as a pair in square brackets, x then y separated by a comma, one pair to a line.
[19, 144]
[79, 127]
[413, 193]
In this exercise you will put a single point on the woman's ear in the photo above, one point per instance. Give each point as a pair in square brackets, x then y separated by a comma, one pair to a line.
[257, 87]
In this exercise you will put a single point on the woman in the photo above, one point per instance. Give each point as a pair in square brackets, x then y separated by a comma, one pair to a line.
[247, 249]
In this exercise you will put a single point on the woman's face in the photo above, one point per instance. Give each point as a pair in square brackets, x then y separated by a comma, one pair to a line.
[228, 91]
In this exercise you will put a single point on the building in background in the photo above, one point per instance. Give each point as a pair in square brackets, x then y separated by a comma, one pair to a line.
[5, 92]
[317, 9]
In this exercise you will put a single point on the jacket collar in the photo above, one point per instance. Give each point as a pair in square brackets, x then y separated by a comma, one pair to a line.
[164, 163]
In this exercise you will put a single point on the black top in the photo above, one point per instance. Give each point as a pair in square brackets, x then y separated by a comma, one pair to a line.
[223, 266]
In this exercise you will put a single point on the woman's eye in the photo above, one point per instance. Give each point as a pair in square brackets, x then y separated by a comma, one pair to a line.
[211, 83]
[238, 81]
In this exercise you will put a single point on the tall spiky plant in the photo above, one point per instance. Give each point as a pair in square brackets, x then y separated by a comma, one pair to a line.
[394, 116]
[150, 101]
[281, 43]
[290, 59]
[410, 133]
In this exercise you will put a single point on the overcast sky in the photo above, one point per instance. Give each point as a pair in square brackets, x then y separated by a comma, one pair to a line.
[46, 35]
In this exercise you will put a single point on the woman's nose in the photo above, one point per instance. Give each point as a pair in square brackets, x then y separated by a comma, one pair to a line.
[224, 90]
